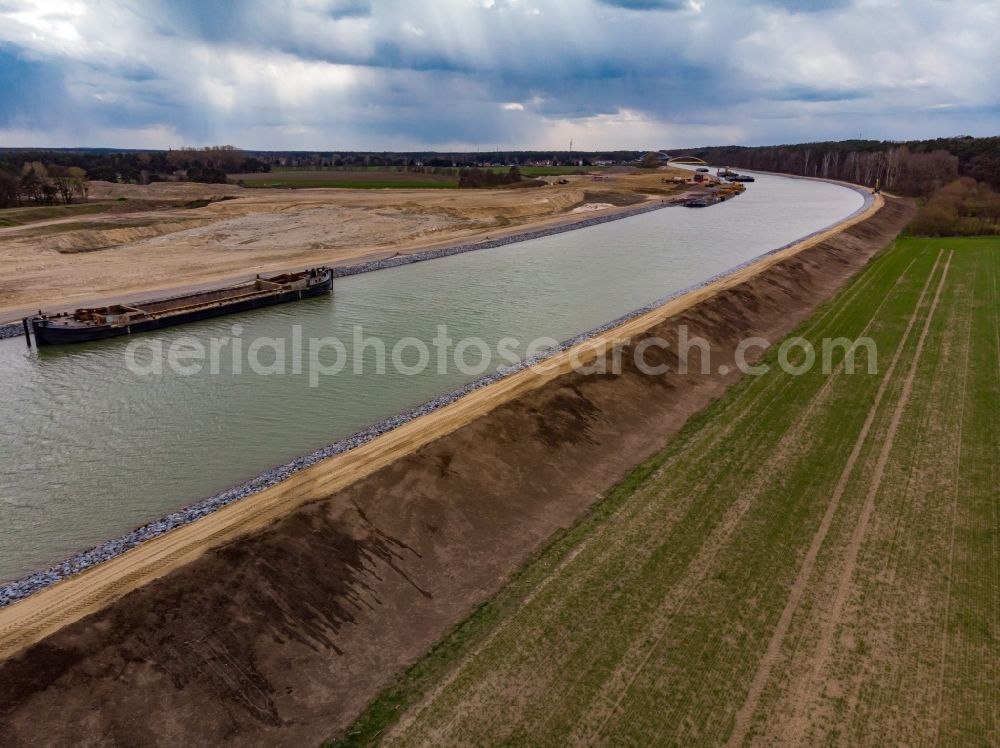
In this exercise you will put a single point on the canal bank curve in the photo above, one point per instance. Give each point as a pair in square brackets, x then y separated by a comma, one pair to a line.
[129, 563]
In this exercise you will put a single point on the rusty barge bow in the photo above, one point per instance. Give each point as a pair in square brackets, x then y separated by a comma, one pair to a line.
[98, 323]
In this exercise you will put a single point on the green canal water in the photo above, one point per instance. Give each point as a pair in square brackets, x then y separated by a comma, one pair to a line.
[90, 449]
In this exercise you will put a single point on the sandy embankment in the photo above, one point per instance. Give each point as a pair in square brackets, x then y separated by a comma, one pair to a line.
[72, 262]
[315, 592]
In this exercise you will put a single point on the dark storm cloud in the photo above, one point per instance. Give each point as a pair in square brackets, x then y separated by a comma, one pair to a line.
[21, 80]
[609, 73]
[233, 19]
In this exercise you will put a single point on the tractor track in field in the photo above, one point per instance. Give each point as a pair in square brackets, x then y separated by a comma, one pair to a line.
[822, 653]
[954, 523]
[702, 564]
[745, 715]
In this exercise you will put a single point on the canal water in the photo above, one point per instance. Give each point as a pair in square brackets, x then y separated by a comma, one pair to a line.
[95, 441]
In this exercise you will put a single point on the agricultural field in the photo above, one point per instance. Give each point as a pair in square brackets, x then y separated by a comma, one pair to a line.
[354, 179]
[813, 559]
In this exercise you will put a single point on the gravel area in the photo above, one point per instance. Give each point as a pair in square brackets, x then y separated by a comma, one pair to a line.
[12, 330]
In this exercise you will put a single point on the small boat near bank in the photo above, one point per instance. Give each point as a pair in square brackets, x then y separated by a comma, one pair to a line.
[716, 194]
[731, 176]
[97, 323]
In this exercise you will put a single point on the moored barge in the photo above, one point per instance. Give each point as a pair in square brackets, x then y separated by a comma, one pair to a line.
[98, 323]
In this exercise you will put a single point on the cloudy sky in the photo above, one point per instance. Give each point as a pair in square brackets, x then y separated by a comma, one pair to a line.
[468, 74]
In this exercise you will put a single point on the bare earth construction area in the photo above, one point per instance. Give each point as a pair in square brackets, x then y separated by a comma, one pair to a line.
[137, 238]
[283, 635]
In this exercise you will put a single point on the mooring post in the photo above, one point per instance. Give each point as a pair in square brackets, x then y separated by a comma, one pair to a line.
[27, 330]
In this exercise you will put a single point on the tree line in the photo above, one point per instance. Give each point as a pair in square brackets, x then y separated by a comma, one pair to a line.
[214, 163]
[49, 176]
[436, 159]
[471, 179]
[915, 168]
[42, 185]
[964, 207]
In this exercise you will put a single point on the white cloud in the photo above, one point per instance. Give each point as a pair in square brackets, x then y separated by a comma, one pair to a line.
[340, 73]
[154, 137]
[410, 28]
[634, 129]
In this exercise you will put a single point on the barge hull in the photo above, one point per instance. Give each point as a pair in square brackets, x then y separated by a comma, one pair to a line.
[51, 335]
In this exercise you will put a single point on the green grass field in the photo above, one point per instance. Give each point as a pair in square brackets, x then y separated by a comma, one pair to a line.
[813, 559]
[356, 179]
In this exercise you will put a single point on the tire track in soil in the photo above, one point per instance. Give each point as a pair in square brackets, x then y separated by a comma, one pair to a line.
[876, 691]
[700, 566]
[954, 519]
[745, 714]
[996, 520]
[825, 645]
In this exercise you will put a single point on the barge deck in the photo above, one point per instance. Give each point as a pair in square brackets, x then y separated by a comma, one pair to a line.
[97, 323]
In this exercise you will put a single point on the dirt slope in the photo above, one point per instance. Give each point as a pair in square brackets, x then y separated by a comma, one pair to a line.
[282, 636]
